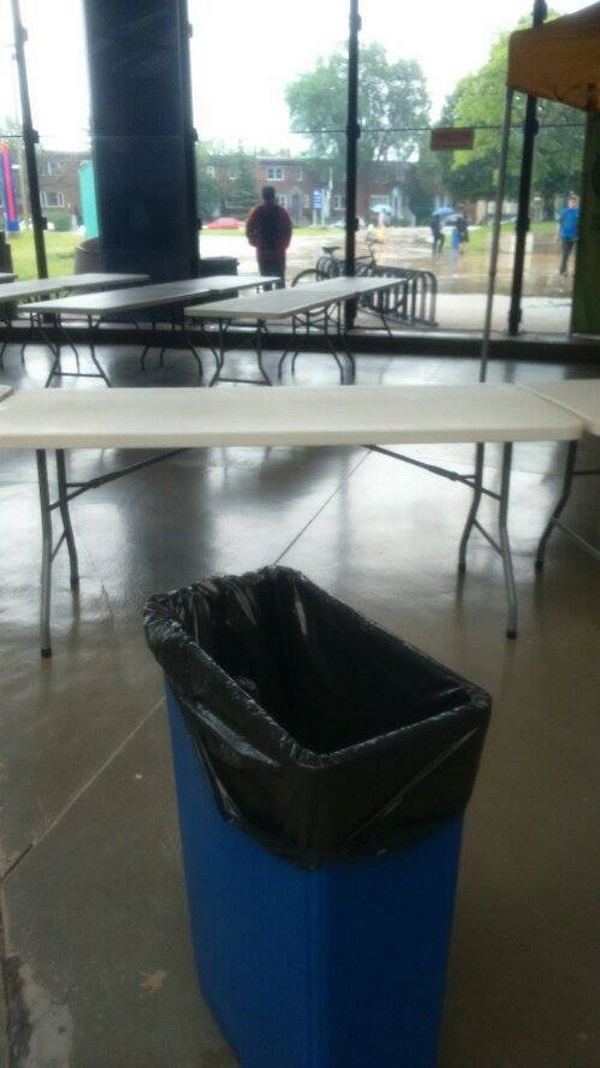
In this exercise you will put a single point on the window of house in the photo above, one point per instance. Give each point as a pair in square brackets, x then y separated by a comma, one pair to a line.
[211, 171]
[339, 201]
[52, 200]
[50, 167]
[283, 200]
[299, 174]
[306, 201]
[275, 174]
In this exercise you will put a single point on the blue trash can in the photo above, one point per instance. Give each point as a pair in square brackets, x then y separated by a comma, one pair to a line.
[319, 943]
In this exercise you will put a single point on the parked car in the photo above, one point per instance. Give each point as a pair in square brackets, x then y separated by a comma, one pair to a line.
[224, 222]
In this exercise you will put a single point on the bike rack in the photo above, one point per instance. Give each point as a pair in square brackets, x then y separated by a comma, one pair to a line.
[413, 300]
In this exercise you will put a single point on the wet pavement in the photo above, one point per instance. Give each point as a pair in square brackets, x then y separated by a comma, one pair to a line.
[462, 280]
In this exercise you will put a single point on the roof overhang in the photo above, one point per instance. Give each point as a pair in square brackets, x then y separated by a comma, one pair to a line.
[559, 60]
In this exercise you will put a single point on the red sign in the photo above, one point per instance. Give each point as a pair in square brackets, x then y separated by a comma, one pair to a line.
[452, 138]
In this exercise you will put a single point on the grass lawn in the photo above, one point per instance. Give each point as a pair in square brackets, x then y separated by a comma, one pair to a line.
[60, 253]
[60, 247]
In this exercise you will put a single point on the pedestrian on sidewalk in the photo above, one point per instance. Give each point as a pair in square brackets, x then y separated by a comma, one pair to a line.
[568, 230]
[437, 231]
[269, 231]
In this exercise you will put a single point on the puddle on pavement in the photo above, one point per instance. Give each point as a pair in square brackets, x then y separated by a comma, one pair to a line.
[411, 247]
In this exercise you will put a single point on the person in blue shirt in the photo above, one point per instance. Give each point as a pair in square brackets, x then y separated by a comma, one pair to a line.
[568, 230]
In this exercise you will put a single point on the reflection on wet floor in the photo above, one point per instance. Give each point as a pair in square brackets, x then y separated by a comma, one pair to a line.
[98, 969]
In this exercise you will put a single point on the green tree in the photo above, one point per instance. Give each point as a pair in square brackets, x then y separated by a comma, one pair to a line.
[478, 101]
[393, 106]
[208, 192]
[424, 183]
[240, 192]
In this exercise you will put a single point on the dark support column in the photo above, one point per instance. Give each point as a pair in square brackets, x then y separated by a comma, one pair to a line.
[142, 136]
[30, 140]
[585, 313]
[530, 129]
[352, 136]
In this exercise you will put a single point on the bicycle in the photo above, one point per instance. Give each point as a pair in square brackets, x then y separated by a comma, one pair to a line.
[330, 266]
[412, 301]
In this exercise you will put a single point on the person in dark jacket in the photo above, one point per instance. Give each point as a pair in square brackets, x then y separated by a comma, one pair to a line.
[437, 232]
[269, 231]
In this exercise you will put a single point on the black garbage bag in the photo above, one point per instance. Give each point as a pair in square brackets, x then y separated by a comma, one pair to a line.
[323, 735]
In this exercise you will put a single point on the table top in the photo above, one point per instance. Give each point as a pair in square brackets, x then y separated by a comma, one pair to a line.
[282, 303]
[148, 296]
[578, 395]
[15, 291]
[287, 415]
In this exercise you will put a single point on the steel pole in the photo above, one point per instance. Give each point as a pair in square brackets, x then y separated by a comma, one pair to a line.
[352, 136]
[487, 325]
[530, 129]
[30, 140]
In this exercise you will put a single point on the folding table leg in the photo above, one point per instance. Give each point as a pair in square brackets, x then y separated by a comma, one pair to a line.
[503, 545]
[63, 504]
[560, 504]
[264, 380]
[42, 466]
[259, 354]
[49, 550]
[509, 578]
[476, 501]
[293, 344]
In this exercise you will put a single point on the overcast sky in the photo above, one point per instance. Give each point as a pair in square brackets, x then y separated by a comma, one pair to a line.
[244, 54]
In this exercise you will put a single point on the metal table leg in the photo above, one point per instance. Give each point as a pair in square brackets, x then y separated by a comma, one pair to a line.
[42, 466]
[63, 504]
[472, 516]
[560, 504]
[502, 546]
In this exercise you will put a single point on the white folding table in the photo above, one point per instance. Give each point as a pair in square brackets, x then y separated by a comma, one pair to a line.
[180, 418]
[15, 296]
[582, 397]
[307, 307]
[96, 308]
[15, 292]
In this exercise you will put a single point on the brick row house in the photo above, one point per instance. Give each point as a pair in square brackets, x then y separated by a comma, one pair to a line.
[313, 191]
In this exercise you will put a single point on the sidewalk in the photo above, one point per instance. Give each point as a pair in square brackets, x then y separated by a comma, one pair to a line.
[548, 313]
[539, 315]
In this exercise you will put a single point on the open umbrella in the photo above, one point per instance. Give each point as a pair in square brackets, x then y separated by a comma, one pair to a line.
[443, 211]
[453, 217]
[381, 207]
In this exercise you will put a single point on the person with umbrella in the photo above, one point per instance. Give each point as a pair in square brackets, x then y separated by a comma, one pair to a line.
[437, 228]
[459, 236]
[384, 218]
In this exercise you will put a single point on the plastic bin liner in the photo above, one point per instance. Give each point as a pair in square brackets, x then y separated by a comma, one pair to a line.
[323, 736]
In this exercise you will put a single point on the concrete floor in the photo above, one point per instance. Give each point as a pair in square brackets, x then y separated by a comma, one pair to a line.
[97, 960]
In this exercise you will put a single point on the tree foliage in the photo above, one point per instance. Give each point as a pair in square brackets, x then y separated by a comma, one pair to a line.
[241, 192]
[478, 101]
[233, 196]
[393, 104]
[207, 187]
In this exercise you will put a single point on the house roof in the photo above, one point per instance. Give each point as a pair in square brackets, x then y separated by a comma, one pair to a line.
[559, 60]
